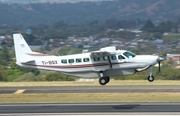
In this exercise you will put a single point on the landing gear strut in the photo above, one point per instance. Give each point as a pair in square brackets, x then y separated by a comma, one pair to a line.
[104, 80]
[150, 77]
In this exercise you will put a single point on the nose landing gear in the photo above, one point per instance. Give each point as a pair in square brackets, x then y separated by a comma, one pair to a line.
[150, 77]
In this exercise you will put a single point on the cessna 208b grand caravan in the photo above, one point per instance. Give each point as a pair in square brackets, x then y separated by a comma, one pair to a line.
[106, 62]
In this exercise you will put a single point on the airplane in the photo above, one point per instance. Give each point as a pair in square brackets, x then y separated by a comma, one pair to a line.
[103, 63]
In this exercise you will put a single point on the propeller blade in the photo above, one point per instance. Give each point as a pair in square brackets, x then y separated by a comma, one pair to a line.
[159, 66]
[159, 62]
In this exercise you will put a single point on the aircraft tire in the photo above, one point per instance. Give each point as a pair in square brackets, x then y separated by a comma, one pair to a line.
[150, 78]
[102, 81]
[107, 79]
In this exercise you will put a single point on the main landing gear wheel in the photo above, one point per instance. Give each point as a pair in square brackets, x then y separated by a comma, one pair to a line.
[104, 80]
[107, 79]
[150, 78]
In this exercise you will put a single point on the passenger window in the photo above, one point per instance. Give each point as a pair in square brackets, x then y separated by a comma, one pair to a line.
[86, 59]
[120, 57]
[71, 60]
[78, 60]
[63, 61]
[113, 57]
[96, 59]
[105, 58]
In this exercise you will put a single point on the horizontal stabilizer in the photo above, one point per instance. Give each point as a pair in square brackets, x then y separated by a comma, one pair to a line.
[27, 61]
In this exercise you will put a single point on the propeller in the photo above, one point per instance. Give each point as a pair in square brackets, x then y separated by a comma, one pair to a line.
[159, 59]
[159, 66]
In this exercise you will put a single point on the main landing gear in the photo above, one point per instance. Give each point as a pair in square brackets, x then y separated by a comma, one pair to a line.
[104, 80]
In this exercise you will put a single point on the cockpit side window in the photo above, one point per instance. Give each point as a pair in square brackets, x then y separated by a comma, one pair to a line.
[129, 54]
[120, 57]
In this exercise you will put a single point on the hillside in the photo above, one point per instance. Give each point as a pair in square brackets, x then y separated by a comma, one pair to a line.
[84, 12]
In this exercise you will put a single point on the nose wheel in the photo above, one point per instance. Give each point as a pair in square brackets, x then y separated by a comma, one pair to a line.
[151, 78]
[104, 80]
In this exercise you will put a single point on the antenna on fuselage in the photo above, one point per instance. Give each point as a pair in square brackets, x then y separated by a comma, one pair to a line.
[57, 53]
[85, 51]
[117, 47]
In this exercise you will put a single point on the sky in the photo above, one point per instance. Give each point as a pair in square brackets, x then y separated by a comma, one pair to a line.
[61, 1]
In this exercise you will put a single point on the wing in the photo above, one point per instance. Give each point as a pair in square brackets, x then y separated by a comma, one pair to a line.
[106, 51]
[101, 53]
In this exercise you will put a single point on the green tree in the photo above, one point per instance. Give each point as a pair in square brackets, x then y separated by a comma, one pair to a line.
[29, 38]
[54, 34]
[158, 35]
[37, 42]
[2, 75]
[60, 25]
[58, 77]
[66, 50]
[95, 22]
[5, 56]
[14, 71]
[148, 26]
[167, 26]
[111, 23]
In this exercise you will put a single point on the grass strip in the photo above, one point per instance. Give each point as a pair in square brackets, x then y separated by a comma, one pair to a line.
[91, 83]
[91, 97]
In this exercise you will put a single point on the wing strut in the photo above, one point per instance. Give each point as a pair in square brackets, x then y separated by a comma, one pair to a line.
[109, 61]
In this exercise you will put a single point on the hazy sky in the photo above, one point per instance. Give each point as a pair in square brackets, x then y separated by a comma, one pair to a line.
[29, 1]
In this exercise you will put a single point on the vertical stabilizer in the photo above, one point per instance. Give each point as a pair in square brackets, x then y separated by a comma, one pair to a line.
[21, 48]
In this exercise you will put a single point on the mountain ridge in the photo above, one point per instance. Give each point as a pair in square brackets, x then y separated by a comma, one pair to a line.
[84, 12]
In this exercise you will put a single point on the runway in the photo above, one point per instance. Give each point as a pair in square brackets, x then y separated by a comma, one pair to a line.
[90, 108]
[70, 109]
[90, 89]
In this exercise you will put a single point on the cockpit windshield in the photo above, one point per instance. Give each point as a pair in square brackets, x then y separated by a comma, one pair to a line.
[129, 54]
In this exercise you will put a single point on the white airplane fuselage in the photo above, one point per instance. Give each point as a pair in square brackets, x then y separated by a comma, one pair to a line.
[106, 62]
[91, 68]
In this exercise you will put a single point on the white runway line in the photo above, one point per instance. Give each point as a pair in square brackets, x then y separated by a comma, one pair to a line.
[93, 114]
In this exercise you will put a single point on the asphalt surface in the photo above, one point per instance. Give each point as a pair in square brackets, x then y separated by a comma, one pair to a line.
[90, 108]
[43, 109]
[90, 89]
